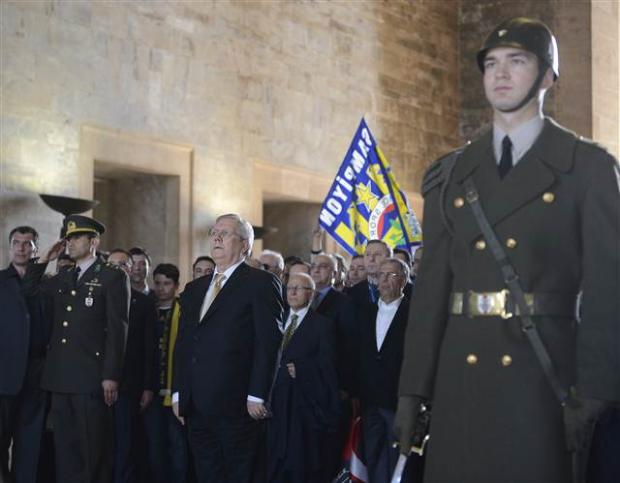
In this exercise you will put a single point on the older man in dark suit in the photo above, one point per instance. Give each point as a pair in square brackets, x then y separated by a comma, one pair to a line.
[305, 400]
[225, 356]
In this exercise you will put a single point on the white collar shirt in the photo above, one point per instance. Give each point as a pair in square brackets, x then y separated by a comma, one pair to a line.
[385, 316]
[206, 302]
[522, 138]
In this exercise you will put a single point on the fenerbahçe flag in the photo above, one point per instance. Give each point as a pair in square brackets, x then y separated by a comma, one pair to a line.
[365, 202]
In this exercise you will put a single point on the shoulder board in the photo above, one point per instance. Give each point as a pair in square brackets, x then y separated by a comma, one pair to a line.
[439, 171]
[592, 144]
[111, 265]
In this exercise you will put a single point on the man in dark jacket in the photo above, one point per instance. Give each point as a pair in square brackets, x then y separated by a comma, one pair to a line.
[24, 332]
[138, 383]
[552, 198]
[305, 399]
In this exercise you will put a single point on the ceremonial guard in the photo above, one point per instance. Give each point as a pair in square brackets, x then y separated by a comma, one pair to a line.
[85, 355]
[519, 226]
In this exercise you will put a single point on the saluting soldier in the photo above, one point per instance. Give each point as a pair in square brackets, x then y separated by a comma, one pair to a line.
[85, 355]
[501, 411]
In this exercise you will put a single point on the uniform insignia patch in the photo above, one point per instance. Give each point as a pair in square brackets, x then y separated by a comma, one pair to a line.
[485, 304]
[88, 301]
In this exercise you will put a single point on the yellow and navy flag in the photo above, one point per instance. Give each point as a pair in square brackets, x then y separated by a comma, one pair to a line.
[365, 202]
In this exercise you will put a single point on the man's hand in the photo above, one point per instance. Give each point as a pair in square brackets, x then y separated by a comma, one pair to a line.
[318, 234]
[110, 391]
[146, 399]
[257, 410]
[404, 421]
[52, 252]
[291, 370]
[580, 415]
[175, 410]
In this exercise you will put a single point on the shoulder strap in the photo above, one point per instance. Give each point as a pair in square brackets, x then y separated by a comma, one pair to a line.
[511, 279]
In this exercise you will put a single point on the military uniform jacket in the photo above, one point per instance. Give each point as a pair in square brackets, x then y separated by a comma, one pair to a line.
[89, 326]
[495, 417]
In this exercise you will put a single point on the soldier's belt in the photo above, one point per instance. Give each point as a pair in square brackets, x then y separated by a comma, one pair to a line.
[501, 304]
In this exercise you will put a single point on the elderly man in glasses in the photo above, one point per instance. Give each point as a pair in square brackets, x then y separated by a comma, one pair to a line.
[305, 400]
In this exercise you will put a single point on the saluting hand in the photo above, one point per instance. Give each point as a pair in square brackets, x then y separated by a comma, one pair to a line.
[110, 391]
[53, 252]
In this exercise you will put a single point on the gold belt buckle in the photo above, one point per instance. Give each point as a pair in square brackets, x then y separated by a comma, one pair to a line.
[489, 304]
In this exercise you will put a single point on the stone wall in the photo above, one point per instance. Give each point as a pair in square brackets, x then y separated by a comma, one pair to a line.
[283, 83]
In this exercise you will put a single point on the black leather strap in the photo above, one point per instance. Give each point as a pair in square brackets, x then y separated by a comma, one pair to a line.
[511, 279]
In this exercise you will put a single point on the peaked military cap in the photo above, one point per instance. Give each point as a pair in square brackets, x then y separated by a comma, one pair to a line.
[78, 224]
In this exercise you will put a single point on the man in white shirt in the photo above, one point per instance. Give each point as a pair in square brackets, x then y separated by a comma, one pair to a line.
[381, 354]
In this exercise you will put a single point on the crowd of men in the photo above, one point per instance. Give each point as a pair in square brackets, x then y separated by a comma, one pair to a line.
[255, 370]
[126, 380]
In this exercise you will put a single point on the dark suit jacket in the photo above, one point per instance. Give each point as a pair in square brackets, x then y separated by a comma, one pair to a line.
[138, 373]
[89, 329]
[231, 353]
[340, 309]
[306, 407]
[379, 371]
[14, 333]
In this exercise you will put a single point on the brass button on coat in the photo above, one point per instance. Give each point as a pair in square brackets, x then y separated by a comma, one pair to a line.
[481, 245]
[64, 341]
[65, 324]
[69, 308]
[548, 197]
[459, 202]
[506, 360]
[511, 243]
[73, 292]
[97, 354]
[472, 359]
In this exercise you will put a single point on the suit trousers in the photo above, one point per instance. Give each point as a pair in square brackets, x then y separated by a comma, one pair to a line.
[83, 438]
[225, 448]
[378, 436]
[168, 452]
[22, 418]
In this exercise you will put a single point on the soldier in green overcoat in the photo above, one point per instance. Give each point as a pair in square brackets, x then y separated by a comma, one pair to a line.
[553, 200]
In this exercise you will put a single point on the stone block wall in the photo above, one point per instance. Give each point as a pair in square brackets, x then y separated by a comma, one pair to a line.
[284, 83]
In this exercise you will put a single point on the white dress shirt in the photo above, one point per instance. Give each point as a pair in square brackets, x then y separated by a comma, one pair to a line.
[521, 138]
[385, 316]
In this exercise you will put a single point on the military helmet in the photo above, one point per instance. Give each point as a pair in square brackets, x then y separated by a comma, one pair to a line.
[527, 34]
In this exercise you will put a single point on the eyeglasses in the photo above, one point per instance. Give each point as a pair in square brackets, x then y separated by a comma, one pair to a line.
[386, 275]
[223, 234]
[320, 266]
[295, 288]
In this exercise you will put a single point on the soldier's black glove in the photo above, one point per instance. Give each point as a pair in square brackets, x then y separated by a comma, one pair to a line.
[580, 415]
[404, 421]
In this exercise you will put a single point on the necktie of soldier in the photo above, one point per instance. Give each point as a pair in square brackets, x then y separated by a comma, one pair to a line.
[505, 163]
[76, 275]
[290, 330]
